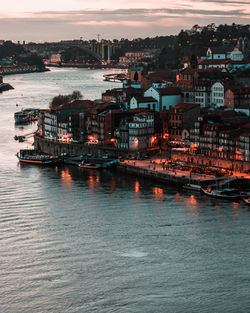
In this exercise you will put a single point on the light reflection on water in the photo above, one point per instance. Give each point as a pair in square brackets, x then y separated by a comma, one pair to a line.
[77, 240]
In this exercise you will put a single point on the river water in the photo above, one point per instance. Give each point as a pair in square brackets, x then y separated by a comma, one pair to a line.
[75, 240]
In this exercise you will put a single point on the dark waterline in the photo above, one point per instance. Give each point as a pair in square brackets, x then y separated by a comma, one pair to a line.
[75, 240]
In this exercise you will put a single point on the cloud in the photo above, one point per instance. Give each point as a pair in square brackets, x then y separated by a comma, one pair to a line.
[117, 23]
[140, 12]
[230, 2]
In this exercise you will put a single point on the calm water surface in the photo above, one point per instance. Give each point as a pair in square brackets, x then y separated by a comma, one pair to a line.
[74, 240]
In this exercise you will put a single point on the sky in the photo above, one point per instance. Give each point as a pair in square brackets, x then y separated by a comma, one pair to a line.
[54, 20]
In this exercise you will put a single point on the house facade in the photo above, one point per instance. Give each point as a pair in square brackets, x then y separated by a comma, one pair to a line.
[217, 94]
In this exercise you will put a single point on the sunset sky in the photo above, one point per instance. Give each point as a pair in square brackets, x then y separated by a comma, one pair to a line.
[51, 20]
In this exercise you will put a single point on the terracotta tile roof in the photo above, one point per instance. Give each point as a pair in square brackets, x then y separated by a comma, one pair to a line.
[239, 90]
[185, 106]
[208, 62]
[169, 91]
[222, 49]
[188, 70]
[189, 90]
[77, 104]
[161, 76]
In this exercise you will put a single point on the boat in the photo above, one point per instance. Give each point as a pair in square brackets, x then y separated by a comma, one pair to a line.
[90, 165]
[224, 193]
[192, 187]
[245, 196]
[30, 156]
[21, 118]
[246, 199]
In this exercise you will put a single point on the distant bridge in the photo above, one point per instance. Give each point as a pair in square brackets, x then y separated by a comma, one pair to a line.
[101, 51]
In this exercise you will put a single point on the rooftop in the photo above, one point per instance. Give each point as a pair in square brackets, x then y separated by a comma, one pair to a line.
[169, 91]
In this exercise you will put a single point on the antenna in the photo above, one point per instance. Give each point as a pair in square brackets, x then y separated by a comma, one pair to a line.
[98, 36]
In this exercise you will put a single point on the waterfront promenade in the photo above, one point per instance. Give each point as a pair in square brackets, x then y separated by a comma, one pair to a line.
[160, 169]
[156, 167]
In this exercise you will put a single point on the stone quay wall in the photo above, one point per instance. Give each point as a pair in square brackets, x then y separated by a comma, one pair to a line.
[163, 177]
[56, 148]
[203, 160]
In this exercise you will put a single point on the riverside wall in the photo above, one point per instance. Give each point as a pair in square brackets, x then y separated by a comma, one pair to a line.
[20, 70]
[56, 148]
[162, 177]
[174, 180]
[202, 160]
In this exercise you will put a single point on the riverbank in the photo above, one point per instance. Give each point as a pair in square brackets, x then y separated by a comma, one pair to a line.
[150, 168]
[172, 176]
[21, 70]
[89, 66]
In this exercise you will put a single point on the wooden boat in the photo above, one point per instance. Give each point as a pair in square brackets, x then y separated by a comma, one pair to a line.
[225, 193]
[33, 157]
[90, 165]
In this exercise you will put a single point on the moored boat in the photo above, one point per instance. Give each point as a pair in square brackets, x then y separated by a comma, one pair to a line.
[245, 196]
[192, 187]
[246, 200]
[224, 193]
[21, 118]
[33, 157]
[90, 165]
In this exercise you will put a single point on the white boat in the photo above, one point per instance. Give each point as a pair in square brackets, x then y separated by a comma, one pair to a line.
[192, 187]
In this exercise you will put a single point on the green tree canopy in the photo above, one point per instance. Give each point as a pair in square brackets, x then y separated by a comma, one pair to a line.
[62, 99]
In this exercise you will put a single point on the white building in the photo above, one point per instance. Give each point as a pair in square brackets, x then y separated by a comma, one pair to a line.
[217, 94]
[55, 58]
[202, 92]
[166, 97]
[50, 124]
[143, 103]
[141, 131]
[63, 131]
[137, 133]
[236, 55]
[218, 53]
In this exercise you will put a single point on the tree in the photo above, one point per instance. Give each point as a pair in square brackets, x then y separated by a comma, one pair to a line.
[136, 76]
[62, 99]
[76, 95]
